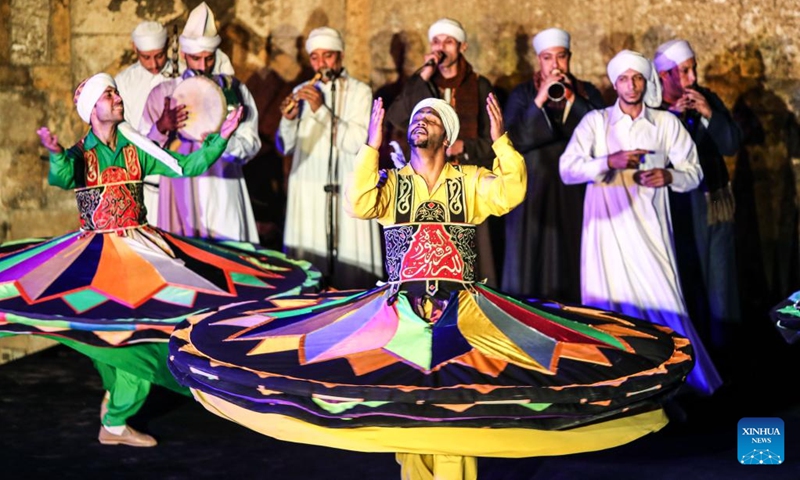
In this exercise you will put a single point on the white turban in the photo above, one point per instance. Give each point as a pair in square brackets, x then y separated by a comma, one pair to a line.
[446, 113]
[200, 32]
[88, 93]
[447, 27]
[325, 38]
[629, 60]
[552, 37]
[149, 36]
[671, 54]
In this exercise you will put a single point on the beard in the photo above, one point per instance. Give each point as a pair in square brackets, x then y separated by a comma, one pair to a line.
[418, 143]
[414, 142]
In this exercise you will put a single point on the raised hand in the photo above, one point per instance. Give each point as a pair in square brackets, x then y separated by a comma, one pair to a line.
[171, 119]
[495, 117]
[231, 122]
[49, 141]
[375, 132]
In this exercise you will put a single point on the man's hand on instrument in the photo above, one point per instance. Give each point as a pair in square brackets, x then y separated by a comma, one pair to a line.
[311, 95]
[289, 108]
[626, 159]
[555, 76]
[171, 119]
[432, 59]
[231, 122]
[49, 141]
[496, 126]
[375, 131]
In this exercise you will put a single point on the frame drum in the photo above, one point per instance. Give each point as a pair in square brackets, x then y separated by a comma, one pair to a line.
[205, 103]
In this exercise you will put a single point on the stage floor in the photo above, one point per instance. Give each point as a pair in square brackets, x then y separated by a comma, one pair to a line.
[49, 405]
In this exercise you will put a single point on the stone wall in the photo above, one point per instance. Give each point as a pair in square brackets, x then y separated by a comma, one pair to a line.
[747, 50]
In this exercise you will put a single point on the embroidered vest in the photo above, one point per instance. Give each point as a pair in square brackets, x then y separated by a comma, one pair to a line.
[111, 200]
[432, 243]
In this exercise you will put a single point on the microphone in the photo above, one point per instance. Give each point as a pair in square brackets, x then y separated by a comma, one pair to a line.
[434, 62]
[330, 74]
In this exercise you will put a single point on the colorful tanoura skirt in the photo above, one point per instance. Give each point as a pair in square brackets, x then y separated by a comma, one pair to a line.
[493, 376]
[116, 289]
[786, 317]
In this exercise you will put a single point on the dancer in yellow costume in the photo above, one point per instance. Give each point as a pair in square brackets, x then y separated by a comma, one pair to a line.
[433, 365]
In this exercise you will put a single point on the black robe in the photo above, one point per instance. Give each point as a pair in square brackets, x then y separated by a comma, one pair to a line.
[543, 234]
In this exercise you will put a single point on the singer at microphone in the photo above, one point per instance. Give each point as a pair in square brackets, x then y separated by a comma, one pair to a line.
[434, 61]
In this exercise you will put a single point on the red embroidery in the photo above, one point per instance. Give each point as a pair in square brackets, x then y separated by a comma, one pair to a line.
[92, 167]
[116, 201]
[117, 208]
[113, 175]
[432, 255]
[132, 162]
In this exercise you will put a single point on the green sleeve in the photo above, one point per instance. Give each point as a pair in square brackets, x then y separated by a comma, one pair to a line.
[62, 168]
[193, 164]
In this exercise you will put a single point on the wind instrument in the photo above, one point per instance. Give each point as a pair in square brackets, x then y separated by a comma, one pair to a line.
[293, 100]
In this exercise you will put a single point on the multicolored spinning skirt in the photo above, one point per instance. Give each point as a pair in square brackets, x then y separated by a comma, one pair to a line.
[367, 373]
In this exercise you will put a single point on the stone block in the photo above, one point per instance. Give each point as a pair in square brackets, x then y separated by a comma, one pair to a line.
[22, 115]
[22, 171]
[50, 79]
[29, 31]
[61, 33]
[47, 222]
[120, 17]
[13, 76]
[98, 53]
[5, 31]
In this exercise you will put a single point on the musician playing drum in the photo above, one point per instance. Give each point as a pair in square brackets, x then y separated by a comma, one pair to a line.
[215, 205]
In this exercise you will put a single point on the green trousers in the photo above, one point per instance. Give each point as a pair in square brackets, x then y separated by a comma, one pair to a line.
[127, 374]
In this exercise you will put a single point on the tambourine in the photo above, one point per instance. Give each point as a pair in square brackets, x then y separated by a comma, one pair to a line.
[206, 105]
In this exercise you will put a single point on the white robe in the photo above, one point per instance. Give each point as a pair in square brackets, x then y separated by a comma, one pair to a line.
[215, 204]
[627, 253]
[307, 138]
[134, 84]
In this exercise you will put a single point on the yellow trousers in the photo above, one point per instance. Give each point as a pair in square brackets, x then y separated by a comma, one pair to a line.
[414, 466]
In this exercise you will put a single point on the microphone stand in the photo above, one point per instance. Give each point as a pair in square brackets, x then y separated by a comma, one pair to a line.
[332, 190]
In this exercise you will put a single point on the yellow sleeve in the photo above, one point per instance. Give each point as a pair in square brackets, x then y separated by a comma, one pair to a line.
[363, 197]
[501, 190]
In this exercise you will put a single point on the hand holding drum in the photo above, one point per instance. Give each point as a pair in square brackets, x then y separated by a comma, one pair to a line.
[205, 107]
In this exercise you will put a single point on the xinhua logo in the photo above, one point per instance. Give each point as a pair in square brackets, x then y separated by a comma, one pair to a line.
[761, 441]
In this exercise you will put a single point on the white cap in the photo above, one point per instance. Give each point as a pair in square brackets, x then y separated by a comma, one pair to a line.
[630, 60]
[88, 93]
[149, 36]
[325, 38]
[446, 113]
[552, 37]
[447, 27]
[671, 54]
[200, 32]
